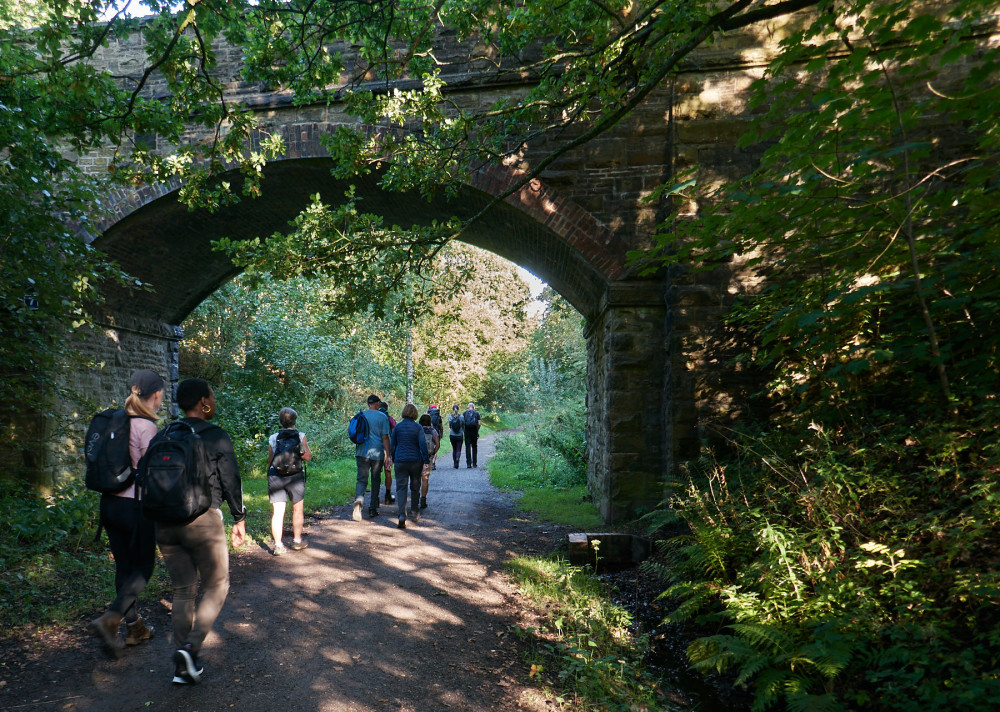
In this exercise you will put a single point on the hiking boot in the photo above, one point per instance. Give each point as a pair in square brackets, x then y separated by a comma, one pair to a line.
[415, 514]
[372, 513]
[401, 524]
[106, 629]
[278, 550]
[137, 632]
[423, 503]
[389, 499]
[186, 660]
[356, 516]
[299, 545]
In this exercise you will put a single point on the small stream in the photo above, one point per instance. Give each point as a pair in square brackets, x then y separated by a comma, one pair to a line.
[637, 592]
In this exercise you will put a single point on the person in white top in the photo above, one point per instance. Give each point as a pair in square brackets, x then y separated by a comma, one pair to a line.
[131, 536]
[282, 488]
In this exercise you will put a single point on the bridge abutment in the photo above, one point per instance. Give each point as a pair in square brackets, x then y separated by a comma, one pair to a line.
[104, 358]
[628, 403]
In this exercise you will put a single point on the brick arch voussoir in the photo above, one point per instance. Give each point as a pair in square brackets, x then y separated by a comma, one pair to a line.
[577, 227]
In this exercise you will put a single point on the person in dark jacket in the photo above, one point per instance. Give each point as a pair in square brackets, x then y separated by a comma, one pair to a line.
[383, 408]
[408, 448]
[456, 432]
[472, 421]
[435, 413]
[433, 438]
[198, 547]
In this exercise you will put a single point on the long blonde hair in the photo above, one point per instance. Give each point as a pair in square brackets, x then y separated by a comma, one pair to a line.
[134, 405]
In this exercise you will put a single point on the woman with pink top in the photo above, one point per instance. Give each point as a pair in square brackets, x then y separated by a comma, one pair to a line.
[130, 535]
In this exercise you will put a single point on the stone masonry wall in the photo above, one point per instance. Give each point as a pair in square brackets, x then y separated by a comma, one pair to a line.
[108, 354]
[626, 364]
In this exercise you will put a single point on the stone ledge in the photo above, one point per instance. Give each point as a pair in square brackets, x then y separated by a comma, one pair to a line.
[612, 548]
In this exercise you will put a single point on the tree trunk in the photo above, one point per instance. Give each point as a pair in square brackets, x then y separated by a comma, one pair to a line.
[409, 366]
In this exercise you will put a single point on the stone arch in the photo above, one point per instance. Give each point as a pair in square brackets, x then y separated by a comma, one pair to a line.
[160, 242]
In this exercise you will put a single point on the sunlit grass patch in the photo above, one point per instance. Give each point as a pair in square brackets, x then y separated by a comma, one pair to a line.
[571, 506]
[582, 650]
[542, 462]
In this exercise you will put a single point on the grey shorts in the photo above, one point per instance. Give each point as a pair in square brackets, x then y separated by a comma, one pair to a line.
[286, 489]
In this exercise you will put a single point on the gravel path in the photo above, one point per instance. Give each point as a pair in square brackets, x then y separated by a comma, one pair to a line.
[367, 618]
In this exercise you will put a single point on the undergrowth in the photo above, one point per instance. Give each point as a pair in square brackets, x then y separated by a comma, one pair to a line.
[845, 570]
[51, 569]
[582, 651]
[546, 460]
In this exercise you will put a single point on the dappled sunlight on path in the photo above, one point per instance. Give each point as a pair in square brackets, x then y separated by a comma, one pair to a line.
[368, 617]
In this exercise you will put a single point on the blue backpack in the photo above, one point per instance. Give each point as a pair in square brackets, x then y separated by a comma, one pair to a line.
[357, 431]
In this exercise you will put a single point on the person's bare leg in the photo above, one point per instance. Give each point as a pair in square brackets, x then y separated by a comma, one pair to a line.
[298, 516]
[277, 522]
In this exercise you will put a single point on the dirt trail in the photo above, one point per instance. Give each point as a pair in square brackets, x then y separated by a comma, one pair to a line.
[368, 618]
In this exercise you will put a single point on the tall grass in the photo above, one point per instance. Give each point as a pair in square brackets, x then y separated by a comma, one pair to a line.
[546, 461]
[582, 650]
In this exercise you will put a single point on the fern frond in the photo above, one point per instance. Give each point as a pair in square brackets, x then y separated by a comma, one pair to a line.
[750, 670]
[769, 688]
[760, 635]
[717, 653]
[826, 702]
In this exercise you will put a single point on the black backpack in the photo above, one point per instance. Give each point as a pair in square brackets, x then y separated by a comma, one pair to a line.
[456, 424]
[109, 463]
[287, 458]
[471, 418]
[436, 419]
[175, 475]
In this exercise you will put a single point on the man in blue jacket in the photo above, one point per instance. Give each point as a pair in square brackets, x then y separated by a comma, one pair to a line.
[371, 458]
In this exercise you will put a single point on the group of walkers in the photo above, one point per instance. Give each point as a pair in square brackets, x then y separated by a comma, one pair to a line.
[410, 448]
[195, 545]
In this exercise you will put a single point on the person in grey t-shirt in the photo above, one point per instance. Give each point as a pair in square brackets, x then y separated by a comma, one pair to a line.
[371, 458]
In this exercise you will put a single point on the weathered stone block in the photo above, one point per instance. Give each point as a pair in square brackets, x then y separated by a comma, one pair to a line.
[607, 548]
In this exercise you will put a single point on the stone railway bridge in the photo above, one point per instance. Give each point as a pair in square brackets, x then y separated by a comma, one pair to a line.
[655, 356]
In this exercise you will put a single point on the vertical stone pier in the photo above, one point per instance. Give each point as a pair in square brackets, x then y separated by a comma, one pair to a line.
[628, 443]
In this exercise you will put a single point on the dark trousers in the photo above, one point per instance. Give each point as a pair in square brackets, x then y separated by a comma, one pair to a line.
[471, 450]
[132, 539]
[456, 448]
[368, 468]
[407, 478]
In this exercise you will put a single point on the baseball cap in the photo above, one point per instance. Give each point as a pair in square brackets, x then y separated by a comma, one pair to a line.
[148, 382]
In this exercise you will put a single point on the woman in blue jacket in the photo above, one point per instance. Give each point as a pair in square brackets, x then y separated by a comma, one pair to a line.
[408, 448]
